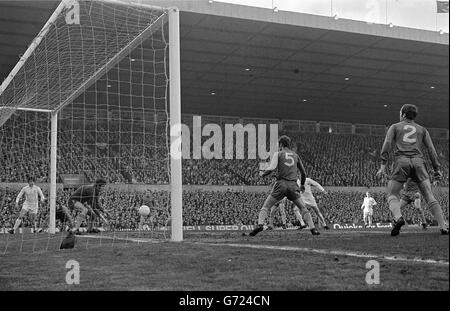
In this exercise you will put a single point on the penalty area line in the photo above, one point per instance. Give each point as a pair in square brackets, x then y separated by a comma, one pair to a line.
[335, 252]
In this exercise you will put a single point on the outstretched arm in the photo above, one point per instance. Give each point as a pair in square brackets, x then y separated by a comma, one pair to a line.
[385, 150]
[387, 145]
[20, 196]
[317, 185]
[433, 154]
[302, 170]
[41, 195]
[272, 166]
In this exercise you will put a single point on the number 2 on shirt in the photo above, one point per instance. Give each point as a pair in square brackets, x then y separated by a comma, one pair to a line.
[411, 131]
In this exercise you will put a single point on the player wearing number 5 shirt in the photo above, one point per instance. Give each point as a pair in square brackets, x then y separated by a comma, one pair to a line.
[407, 138]
[288, 164]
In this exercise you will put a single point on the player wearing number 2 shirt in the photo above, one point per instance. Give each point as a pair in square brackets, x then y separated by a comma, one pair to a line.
[407, 139]
[287, 163]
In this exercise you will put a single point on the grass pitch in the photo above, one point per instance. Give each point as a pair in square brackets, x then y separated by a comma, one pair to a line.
[279, 260]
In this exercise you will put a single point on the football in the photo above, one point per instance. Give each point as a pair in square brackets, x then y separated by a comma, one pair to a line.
[144, 210]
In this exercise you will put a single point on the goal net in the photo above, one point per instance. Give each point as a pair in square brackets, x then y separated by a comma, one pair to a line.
[90, 99]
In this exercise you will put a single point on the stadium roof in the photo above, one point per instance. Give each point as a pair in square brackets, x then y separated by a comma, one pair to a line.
[254, 62]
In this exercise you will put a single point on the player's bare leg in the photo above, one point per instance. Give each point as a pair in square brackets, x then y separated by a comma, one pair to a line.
[435, 207]
[370, 220]
[394, 188]
[33, 219]
[18, 221]
[299, 217]
[141, 223]
[283, 215]
[320, 216]
[270, 201]
[418, 206]
[272, 211]
[306, 216]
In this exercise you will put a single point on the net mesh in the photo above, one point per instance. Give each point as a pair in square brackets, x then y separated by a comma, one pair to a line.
[107, 76]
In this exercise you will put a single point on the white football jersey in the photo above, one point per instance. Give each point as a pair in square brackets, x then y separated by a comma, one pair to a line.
[369, 203]
[31, 195]
[307, 196]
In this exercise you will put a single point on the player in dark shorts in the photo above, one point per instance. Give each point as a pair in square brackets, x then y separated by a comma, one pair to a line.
[407, 137]
[287, 163]
[411, 195]
[85, 201]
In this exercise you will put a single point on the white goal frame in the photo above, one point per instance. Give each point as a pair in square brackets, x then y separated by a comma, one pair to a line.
[174, 98]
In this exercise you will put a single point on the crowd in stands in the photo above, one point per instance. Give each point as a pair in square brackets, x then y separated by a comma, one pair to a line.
[201, 207]
[127, 153]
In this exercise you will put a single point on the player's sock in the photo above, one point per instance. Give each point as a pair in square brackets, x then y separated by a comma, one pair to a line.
[436, 210]
[283, 218]
[299, 217]
[17, 224]
[262, 216]
[308, 219]
[272, 210]
[322, 219]
[394, 206]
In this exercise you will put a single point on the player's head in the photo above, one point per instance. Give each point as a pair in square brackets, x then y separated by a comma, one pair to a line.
[99, 183]
[30, 181]
[284, 142]
[368, 194]
[408, 112]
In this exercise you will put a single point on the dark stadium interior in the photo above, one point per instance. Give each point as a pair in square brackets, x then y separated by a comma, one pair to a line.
[317, 74]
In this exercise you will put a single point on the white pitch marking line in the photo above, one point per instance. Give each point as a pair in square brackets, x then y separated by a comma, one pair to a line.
[333, 252]
[137, 240]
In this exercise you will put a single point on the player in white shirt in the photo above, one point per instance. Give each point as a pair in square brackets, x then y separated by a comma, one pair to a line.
[367, 208]
[309, 200]
[30, 205]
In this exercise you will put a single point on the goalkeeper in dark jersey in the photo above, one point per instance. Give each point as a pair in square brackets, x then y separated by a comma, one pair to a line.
[85, 202]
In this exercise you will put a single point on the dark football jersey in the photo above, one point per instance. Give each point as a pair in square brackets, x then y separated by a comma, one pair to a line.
[408, 139]
[86, 194]
[288, 162]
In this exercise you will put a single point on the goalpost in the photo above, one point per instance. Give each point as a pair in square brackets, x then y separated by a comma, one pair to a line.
[103, 77]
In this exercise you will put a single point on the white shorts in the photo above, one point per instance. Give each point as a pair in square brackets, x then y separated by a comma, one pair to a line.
[367, 213]
[309, 200]
[30, 208]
